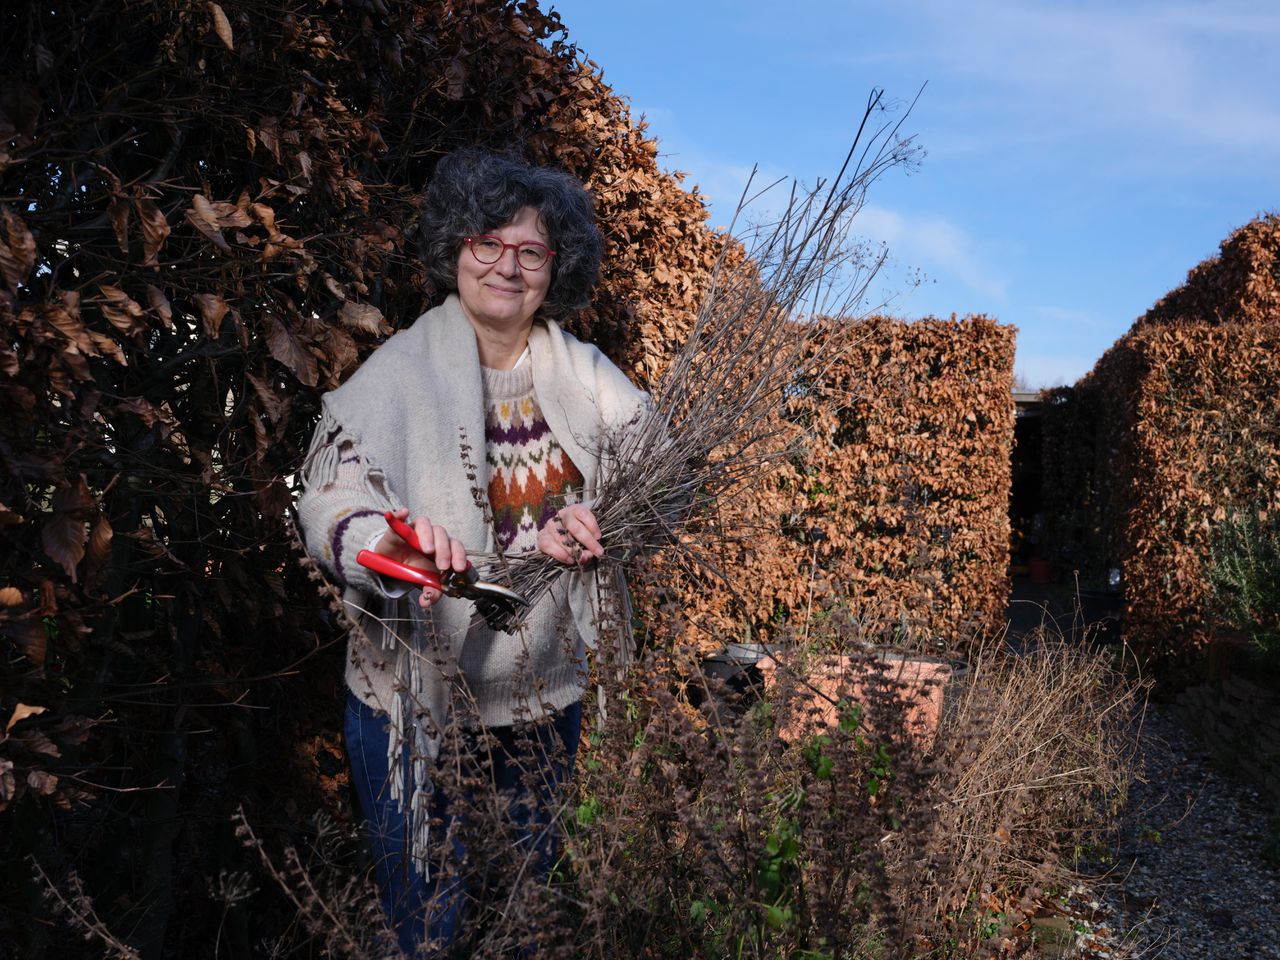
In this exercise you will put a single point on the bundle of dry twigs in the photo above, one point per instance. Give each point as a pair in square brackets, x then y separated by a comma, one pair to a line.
[717, 406]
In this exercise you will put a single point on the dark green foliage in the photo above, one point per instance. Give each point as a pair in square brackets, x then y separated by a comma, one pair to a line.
[1244, 576]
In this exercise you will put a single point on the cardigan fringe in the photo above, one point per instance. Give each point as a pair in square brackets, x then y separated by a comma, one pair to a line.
[410, 787]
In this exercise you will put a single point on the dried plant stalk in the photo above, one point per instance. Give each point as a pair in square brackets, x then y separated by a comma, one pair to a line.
[78, 910]
[717, 405]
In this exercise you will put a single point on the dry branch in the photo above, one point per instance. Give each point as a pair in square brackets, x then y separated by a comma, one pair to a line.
[718, 405]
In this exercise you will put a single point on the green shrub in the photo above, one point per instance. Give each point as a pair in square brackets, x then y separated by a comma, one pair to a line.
[1244, 576]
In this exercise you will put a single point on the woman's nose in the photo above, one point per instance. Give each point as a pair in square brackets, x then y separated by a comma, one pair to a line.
[507, 264]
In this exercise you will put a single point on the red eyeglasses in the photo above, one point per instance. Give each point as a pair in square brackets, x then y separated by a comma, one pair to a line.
[531, 255]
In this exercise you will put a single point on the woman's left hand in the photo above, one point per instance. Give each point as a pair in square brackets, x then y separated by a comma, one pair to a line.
[572, 537]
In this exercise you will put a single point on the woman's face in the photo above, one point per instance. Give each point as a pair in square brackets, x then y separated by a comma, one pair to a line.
[502, 295]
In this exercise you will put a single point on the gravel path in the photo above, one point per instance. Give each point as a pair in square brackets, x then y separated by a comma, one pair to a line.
[1189, 879]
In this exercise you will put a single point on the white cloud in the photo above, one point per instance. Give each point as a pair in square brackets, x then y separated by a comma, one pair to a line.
[1199, 75]
[719, 180]
[1067, 317]
[934, 244]
[723, 183]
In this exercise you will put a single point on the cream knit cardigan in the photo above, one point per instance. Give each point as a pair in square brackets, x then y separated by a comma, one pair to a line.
[407, 430]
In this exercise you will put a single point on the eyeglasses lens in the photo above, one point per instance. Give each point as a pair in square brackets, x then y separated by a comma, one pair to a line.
[531, 256]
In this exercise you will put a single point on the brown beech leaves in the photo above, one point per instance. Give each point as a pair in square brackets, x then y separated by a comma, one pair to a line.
[17, 249]
[1175, 427]
[894, 501]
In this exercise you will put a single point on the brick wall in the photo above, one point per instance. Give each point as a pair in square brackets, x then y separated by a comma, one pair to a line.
[1240, 723]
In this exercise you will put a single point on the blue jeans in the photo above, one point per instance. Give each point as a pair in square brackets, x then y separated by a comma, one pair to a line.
[434, 907]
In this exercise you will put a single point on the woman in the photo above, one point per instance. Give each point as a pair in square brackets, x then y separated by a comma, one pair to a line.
[481, 426]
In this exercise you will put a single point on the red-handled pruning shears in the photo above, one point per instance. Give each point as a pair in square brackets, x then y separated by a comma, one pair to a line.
[454, 583]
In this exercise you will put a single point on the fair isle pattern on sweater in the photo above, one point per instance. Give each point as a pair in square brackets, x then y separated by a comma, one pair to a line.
[530, 475]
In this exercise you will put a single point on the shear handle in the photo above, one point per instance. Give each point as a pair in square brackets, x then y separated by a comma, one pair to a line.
[408, 534]
[379, 563]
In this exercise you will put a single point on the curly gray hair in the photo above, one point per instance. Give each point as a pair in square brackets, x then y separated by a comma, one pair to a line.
[473, 192]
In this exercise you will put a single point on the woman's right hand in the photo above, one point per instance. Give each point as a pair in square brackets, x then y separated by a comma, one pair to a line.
[439, 551]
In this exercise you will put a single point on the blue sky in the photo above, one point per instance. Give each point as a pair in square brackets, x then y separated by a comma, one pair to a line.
[1081, 157]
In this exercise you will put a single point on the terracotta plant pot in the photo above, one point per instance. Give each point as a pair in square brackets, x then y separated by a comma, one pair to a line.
[916, 682]
[1039, 570]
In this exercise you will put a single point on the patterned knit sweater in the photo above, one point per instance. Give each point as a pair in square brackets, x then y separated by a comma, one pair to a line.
[530, 478]
[530, 475]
